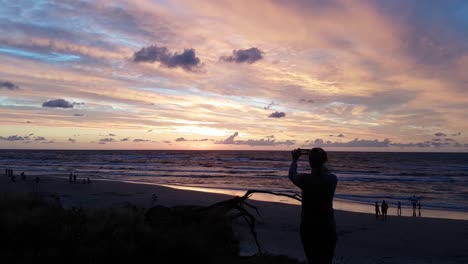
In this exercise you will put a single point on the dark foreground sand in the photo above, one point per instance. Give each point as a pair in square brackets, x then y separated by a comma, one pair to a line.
[362, 238]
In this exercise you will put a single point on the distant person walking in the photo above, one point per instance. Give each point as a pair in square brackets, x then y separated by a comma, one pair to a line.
[74, 178]
[384, 210]
[419, 209]
[399, 209]
[414, 201]
[377, 210]
[70, 177]
[318, 228]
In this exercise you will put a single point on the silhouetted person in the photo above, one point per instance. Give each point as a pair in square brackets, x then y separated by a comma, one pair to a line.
[384, 210]
[6, 172]
[88, 181]
[318, 228]
[70, 177]
[74, 178]
[399, 209]
[23, 176]
[37, 180]
[419, 209]
[377, 210]
[13, 178]
[413, 202]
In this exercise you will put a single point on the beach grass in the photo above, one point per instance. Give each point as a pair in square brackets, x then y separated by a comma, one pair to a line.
[38, 228]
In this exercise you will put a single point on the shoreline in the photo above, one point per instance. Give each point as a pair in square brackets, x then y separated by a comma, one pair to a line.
[338, 204]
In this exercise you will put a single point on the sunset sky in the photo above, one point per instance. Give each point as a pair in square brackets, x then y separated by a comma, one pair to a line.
[144, 74]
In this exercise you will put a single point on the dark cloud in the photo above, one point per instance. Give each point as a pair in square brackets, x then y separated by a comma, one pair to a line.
[247, 55]
[255, 142]
[339, 135]
[310, 101]
[13, 138]
[187, 60]
[440, 134]
[58, 103]
[28, 122]
[111, 135]
[125, 139]
[48, 142]
[277, 114]
[182, 139]
[71, 140]
[106, 140]
[78, 114]
[229, 140]
[167, 141]
[39, 138]
[456, 134]
[353, 143]
[8, 85]
[141, 140]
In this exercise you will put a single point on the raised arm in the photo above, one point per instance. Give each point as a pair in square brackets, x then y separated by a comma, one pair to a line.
[294, 176]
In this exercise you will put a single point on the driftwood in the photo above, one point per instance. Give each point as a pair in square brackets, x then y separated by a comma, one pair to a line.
[238, 203]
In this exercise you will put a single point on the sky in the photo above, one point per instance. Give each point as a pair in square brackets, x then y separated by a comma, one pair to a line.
[270, 75]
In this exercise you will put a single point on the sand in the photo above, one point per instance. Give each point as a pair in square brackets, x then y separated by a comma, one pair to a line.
[362, 239]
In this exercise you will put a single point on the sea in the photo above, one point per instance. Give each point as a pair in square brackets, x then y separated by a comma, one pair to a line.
[438, 180]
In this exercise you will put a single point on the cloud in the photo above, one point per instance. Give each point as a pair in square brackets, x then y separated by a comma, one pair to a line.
[187, 60]
[111, 135]
[456, 134]
[141, 140]
[269, 141]
[39, 138]
[106, 140]
[310, 101]
[440, 134]
[13, 138]
[277, 114]
[125, 139]
[353, 143]
[339, 135]
[71, 140]
[182, 139]
[48, 142]
[58, 103]
[8, 85]
[78, 114]
[229, 140]
[247, 55]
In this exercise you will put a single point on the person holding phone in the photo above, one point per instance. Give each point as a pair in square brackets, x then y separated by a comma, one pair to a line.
[318, 228]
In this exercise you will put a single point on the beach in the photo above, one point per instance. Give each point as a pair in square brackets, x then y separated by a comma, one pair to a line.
[361, 238]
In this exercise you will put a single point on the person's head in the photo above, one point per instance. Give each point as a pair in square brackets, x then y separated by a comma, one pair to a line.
[317, 157]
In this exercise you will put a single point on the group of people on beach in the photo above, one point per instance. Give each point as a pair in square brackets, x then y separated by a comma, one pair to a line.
[414, 202]
[73, 179]
[9, 173]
